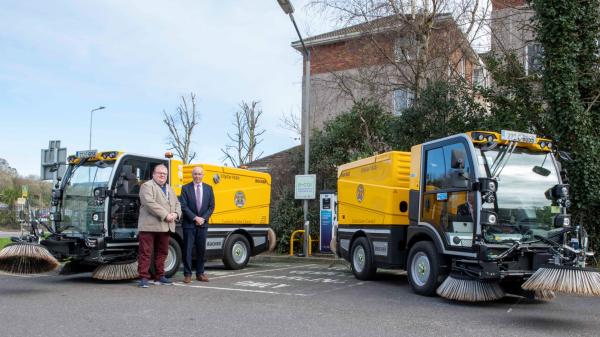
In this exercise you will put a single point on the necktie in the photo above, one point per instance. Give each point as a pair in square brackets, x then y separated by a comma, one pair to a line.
[198, 197]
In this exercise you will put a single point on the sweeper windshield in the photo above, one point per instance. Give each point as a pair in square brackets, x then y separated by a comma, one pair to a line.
[78, 204]
[521, 205]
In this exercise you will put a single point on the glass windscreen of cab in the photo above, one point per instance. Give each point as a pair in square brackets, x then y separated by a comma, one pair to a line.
[79, 204]
[521, 205]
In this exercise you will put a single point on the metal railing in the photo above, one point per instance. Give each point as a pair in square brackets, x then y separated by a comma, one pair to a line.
[292, 240]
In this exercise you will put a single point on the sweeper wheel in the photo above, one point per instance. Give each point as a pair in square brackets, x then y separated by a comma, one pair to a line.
[361, 259]
[423, 268]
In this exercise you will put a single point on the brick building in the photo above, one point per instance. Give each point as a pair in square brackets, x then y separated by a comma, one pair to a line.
[512, 32]
[374, 60]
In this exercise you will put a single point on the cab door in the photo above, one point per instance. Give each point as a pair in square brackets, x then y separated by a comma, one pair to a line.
[131, 173]
[448, 204]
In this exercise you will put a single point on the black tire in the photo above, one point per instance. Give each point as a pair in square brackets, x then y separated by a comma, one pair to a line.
[361, 259]
[237, 252]
[173, 260]
[424, 268]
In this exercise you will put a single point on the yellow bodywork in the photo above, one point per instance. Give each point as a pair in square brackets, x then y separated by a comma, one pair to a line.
[242, 197]
[370, 190]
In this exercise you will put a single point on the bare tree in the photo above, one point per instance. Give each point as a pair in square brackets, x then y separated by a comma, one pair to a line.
[246, 137]
[181, 125]
[416, 40]
[291, 122]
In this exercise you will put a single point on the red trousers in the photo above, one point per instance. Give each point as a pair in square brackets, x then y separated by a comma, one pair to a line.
[157, 242]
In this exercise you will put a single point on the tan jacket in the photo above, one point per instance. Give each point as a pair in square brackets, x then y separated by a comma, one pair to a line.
[155, 207]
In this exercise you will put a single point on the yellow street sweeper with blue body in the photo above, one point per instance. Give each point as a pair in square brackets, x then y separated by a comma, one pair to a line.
[470, 216]
[95, 209]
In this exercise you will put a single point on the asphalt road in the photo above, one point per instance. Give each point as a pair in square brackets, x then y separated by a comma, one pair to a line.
[274, 299]
[4, 234]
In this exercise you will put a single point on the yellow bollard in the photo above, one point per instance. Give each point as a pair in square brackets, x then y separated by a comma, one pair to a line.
[310, 241]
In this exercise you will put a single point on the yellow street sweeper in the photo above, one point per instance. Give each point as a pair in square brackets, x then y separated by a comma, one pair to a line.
[470, 216]
[95, 209]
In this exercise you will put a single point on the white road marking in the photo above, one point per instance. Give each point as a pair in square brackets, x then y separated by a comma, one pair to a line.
[262, 271]
[240, 290]
[26, 275]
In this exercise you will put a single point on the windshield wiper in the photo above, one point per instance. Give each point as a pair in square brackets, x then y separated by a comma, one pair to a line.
[503, 158]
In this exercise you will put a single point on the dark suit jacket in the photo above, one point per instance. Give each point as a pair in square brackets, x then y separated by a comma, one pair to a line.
[188, 204]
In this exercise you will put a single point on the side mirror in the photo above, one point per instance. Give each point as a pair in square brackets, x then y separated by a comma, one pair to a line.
[459, 179]
[565, 156]
[457, 160]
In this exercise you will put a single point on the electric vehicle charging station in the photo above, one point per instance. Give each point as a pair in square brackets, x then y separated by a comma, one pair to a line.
[328, 219]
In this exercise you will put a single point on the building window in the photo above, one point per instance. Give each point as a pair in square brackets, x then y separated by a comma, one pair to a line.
[478, 77]
[533, 53]
[405, 48]
[403, 99]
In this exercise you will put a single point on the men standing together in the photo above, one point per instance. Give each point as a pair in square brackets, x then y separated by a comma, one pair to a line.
[197, 203]
[159, 210]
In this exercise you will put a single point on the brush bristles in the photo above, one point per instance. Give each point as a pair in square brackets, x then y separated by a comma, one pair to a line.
[116, 272]
[563, 280]
[544, 295]
[272, 239]
[27, 258]
[468, 290]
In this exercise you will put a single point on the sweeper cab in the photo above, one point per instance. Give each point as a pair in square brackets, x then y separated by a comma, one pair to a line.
[480, 211]
[95, 209]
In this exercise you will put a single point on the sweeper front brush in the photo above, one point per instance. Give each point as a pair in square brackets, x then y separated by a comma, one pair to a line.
[465, 289]
[564, 279]
[26, 258]
[116, 271]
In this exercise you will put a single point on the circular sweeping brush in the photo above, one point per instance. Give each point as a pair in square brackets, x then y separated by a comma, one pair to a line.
[116, 271]
[565, 279]
[272, 239]
[27, 258]
[463, 288]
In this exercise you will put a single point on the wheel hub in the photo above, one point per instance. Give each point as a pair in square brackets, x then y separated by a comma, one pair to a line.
[421, 269]
[359, 259]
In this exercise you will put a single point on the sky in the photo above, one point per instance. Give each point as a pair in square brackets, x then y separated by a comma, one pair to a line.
[61, 59]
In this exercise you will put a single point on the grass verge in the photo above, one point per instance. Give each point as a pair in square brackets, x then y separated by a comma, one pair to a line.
[4, 242]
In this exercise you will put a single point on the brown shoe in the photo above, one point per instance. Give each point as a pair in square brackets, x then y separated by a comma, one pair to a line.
[187, 279]
[202, 278]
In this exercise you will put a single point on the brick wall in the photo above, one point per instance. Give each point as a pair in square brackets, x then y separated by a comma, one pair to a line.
[501, 4]
[350, 54]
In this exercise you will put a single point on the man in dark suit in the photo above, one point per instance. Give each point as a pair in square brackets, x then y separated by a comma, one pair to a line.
[197, 205]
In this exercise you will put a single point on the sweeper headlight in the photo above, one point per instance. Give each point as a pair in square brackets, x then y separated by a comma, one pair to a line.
[558, 191]
[482, 137]
[488, 188]
[488, 218]
[110, 155]
[98, 217]
[562, 220]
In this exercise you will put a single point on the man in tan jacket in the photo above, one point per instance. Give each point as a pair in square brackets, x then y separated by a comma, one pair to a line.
[158, 211]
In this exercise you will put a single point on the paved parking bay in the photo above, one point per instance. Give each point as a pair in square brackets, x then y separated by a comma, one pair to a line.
[291, 279]
[284, 298]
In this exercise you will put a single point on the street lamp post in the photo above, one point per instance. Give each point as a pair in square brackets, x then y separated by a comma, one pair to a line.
[91, 119]
[288, 9]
